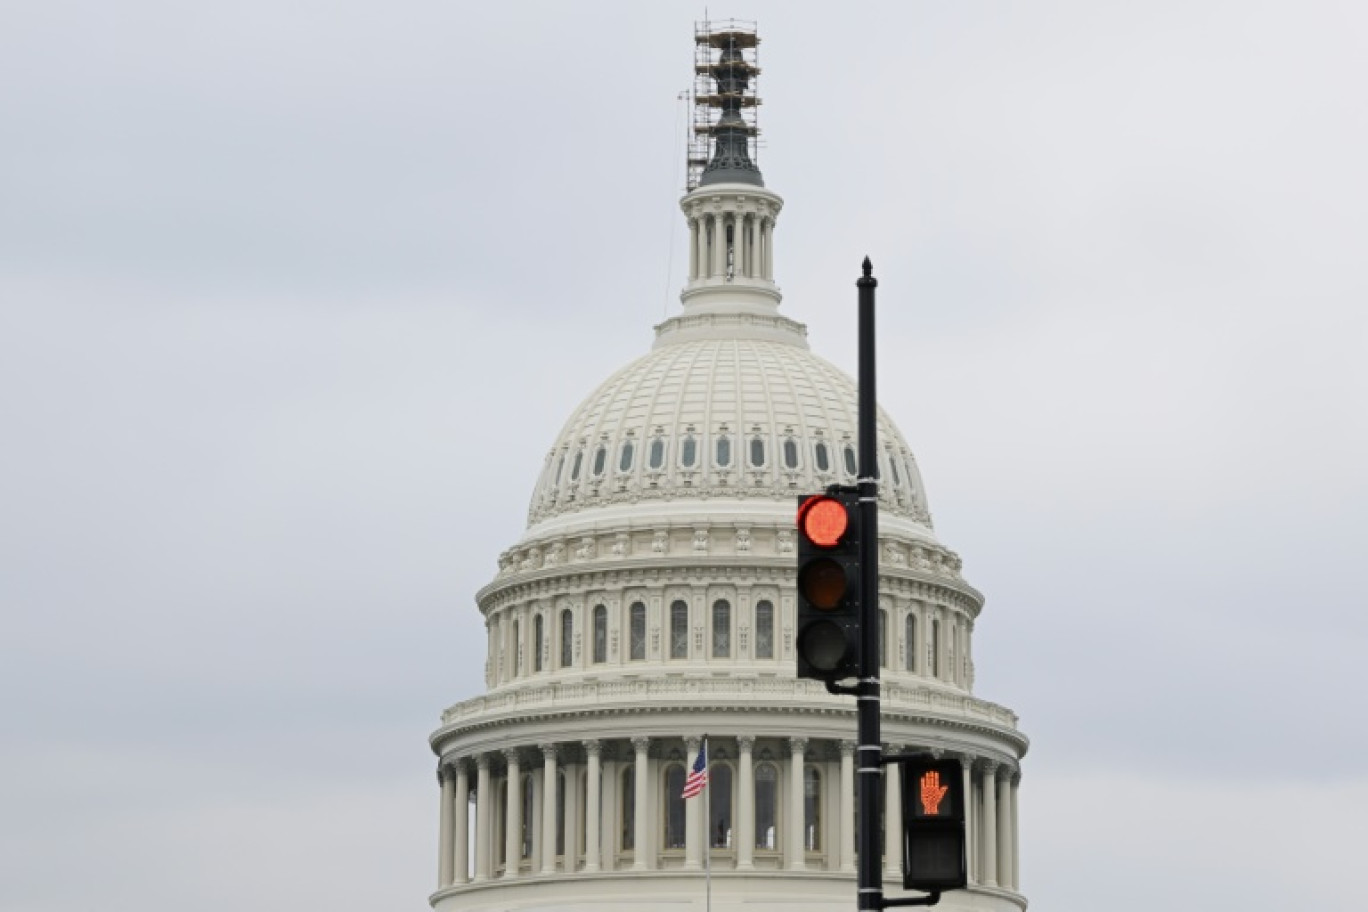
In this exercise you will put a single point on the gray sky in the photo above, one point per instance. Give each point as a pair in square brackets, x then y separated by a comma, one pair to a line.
[293, 297]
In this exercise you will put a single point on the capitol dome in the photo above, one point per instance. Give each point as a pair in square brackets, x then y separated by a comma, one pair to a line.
[650, 604]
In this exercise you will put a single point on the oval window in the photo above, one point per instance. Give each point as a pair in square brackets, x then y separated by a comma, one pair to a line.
[575, 469]
[790, 454]
[757, 452]
[823, 460]
[723, 451]
[688, 453]
[600, 459]
[657, 453]
[893, 464]
[625, 460]
[850, 460]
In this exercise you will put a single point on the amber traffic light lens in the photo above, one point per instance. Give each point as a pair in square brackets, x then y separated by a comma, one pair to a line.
[823, 520]
[823, 583]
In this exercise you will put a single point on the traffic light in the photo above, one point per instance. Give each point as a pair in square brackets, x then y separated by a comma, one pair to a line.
[829, 586]
[933, 825]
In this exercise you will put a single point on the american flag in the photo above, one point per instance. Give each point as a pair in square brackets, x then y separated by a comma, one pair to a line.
[698, 776]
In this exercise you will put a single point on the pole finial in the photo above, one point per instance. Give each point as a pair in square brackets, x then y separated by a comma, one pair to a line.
[868, 267]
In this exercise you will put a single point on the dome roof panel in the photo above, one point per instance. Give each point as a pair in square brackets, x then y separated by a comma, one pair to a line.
[710, 418]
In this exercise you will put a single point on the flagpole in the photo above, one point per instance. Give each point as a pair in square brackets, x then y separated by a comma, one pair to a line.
[707, 828]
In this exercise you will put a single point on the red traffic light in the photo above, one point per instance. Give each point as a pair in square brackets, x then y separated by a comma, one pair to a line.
[823, 521]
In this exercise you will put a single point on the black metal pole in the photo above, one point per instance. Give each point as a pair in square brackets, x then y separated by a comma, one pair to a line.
[870, 769]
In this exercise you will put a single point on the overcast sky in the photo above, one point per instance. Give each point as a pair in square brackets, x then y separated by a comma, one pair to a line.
[295, 295]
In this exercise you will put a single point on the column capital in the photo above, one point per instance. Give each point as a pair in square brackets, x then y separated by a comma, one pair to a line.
[798, 745]
[593, 748]
[641, 743]
[745, 743]
[988, 767]
[967, 761]
[482, 761]
[549, 751]
[848, 748]
[1005, 771]
[692, 744]
[511, 756]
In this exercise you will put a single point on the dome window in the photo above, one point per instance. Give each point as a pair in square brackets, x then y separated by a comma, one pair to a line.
[578, 464]
[850, 467]
[567, 640]
[688, 452]
[757, 452]
[764, 630]
[657, 454]
[823, 458]
[790, 454]
[721, 629]
[893, 465]
[600, 459]
[723, 452]
[600, 634]
[625, 460]
[637, 629]
[679, 630]
[560, 469]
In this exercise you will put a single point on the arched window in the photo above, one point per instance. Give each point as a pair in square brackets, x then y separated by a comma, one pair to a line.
[657, 453]
[883, 638]
[560, 813]
[575, 468]
[893, 465]
[757, 452]
[950, 650]
[517, 649]
[600, 634]
[625, 459]
[822, 457]
[627, 801]
[538, 640]
[637, 631]
[567, 638]
[720, 805]
[723, 451]
[812, 809]
[688, 452]
[910, 635]
[560, 468]
[721, 629]
[933, 648]
[600, 459]
[764, 630]
[790, 453]
[529, 810]
[766, 806]
[679, 631]
[674, 807]
[850, 465]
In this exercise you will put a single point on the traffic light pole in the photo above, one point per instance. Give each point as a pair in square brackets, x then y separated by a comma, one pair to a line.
[870, 878]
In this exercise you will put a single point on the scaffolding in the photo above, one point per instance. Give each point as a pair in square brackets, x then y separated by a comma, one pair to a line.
[726, 72]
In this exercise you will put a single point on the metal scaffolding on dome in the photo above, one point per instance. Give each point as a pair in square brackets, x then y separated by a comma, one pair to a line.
[724, 96]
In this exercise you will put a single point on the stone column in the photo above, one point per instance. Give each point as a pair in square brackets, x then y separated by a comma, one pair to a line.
[745, 804]
[446, 832]
[719, 265]
[752, 245]
[641, 836]
[548, 827]
[990, 838]
[1004, 826]
[1016, 834]
[794, 848]
[592, 801]
[461, 812]
[693, 811]
[572, 827]
[693, 249]
[893, 828]
[767, 232]
[847, 805]
[970, 828]
[513, 815]
[483, 807]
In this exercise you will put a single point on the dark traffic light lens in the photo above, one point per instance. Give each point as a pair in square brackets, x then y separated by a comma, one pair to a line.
[823, 583]
[823, 646]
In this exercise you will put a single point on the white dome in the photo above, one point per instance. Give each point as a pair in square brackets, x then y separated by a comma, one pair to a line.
[725, 408]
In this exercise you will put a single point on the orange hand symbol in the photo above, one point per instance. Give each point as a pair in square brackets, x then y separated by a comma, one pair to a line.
[932, 792]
